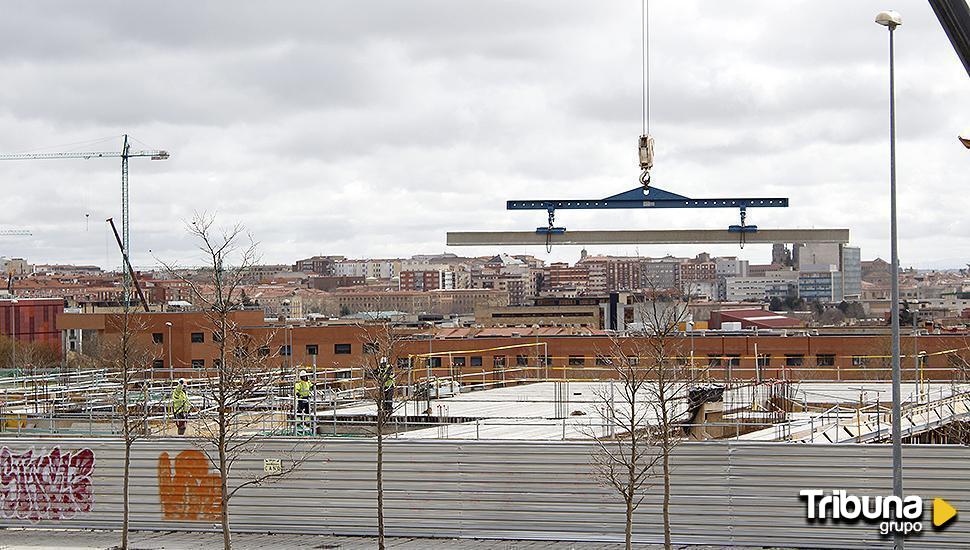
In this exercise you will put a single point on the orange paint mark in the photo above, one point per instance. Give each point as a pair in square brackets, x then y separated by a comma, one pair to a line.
[190, 492]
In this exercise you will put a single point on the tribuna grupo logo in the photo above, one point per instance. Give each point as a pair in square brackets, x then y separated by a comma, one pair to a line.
[893, 514]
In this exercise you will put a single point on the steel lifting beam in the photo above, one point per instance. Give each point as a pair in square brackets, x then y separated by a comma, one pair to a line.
[651, 198]
[648, 197]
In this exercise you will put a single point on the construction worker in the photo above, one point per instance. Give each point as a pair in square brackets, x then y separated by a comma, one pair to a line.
[301, 392]
[385, 376]
[180, 405]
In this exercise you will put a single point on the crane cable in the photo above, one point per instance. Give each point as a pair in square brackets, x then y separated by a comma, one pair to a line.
[644, 67]
[645, 144]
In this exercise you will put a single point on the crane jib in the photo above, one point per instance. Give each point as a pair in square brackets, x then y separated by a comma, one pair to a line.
[154, 155]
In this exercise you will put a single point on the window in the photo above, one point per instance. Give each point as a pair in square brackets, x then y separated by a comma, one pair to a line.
[342, 374]
[286, 350]
[198, 338]
[546, 360]
[341, 349]
[577, 360]
[713, 360]
[198, 363]
[764, 359]
[794, 360]
[158, 364]
[633, 361]
[477, 361]
[312, 349]
[216, 336]
[371, 347]
[73, 345]
[521, 361]
[825, 360]
[435, 362]
[263, 351]
[158, 337]
[859, 361]
[458, 361]
[733, 360]
[499, 362]
[603, 361]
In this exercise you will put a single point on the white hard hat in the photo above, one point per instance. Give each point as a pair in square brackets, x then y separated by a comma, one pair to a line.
[303, 374]
[182, 381]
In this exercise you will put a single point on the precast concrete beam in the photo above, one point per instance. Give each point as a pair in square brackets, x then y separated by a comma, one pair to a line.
[652, 236]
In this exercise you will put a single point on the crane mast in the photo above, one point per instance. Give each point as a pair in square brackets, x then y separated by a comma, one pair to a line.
[125, 154]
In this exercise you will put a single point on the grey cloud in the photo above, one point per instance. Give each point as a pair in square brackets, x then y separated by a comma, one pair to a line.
[374, 128]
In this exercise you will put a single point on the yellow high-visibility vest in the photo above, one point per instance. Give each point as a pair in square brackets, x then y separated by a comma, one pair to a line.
[180, 401]
[302, 388]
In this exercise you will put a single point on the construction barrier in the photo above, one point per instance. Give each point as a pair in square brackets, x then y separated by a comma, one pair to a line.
[725, 493]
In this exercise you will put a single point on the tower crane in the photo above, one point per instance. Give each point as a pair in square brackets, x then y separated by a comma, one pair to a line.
[125, 154]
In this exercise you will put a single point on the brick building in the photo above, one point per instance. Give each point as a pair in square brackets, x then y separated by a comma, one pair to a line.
[555, 352]
[424, 280]
[32, 320]
[321, 265]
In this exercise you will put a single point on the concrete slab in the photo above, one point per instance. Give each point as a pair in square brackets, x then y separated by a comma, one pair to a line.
[653, 236]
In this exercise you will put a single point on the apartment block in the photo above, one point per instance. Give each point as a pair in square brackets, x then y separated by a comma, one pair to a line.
[820, 282]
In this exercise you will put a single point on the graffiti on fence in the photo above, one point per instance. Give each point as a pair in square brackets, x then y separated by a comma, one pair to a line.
[189, 491]
[45, 486]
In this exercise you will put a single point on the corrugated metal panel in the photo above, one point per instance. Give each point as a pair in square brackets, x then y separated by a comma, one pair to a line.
[723, 493]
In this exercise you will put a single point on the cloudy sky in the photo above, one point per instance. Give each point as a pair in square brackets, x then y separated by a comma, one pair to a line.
[370, 129]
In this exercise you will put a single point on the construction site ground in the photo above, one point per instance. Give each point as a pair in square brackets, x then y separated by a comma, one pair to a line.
[29, 539]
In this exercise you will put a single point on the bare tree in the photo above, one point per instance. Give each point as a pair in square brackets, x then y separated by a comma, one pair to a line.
[29, 357]
[238, 393]
[126, 363]
[643, 407]
[384, 371]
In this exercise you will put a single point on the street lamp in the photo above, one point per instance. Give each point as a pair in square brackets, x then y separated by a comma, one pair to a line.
[891, 20]
[171, 367]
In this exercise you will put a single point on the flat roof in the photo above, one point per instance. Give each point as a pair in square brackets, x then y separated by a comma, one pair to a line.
[530, 411]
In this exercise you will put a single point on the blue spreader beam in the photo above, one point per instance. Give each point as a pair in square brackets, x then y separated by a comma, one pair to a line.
[648, 198]
[652, 198]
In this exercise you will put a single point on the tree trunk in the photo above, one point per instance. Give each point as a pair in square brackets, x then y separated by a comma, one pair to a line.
[224, 482]
[629, 523]
[124, 489]
[380, 482]
[666, 505]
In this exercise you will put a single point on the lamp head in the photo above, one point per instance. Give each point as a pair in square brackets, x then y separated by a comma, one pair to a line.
[889, 18]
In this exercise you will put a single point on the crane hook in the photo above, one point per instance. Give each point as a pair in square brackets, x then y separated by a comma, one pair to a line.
[645, 154]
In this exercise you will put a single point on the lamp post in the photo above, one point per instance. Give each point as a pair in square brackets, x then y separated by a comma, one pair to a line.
[171, 367]
[891, 20]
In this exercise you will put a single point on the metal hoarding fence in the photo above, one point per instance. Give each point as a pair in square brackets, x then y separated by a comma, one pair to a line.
[723, 492]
